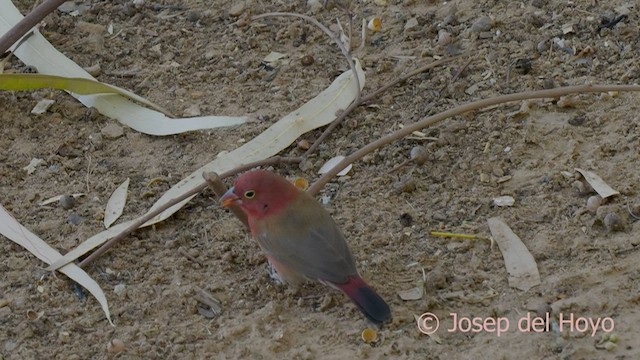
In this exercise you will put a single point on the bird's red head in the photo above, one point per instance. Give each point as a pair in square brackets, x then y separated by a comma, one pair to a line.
[260, 193]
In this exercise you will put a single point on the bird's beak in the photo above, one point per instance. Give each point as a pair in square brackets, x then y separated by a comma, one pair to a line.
[229, 198]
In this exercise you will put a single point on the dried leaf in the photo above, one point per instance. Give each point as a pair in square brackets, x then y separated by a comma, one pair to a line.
[331, 163]
[521, 267]
[41, 107]
[17, 233]
[318, 112]
[596, 182]
[116, 203]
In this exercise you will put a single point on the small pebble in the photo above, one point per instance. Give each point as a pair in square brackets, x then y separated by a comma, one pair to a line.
[548, 83]
[75, 219]
[419, 155]
[577, 120]
[593, 203]
[612, 222]
[307, 60]
[67, 202]
[112, 131]
[406, 184]
[444, 38]
[237, 9]
[115, 346]
[482, 24]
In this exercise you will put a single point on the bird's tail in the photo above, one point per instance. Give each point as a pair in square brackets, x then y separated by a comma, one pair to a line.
[366, 299]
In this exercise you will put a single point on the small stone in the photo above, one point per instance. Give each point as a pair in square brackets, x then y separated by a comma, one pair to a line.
[237, 9]
[612, 222]
[119, 289]
[419, 155]
[406, 184]
[593, 203]
[112, 131]
[482, 24]
[307, 60]
[115, 346]
[577, 120]
[64, 337]
[543, 46]
[411, 23]
[67, 202]
[444, 37]
[75, 219]
[548, 83]
[304, 144]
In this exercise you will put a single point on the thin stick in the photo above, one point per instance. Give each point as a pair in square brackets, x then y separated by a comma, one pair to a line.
[28, 22]
[457, 75]
[550, 93]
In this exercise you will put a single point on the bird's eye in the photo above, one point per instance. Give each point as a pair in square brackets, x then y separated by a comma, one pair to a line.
[250, 194]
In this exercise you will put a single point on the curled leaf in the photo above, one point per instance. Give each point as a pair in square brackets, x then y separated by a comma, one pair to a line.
[596, 182]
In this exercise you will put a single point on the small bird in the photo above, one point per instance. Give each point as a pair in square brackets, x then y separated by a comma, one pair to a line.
[300, 239]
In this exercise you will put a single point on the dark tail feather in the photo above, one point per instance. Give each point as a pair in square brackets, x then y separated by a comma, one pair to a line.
[367, 300]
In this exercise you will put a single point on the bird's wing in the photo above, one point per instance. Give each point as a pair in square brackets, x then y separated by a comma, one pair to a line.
[304, 238]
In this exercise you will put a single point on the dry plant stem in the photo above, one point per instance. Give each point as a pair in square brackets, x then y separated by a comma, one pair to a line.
[475, 105]
[219, 188]
[150, 215]
[28, 22]
[457, 75]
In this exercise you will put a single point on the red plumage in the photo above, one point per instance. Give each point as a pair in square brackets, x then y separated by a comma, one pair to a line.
[300, 238]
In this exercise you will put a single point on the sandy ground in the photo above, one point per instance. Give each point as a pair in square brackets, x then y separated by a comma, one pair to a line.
[192, 54]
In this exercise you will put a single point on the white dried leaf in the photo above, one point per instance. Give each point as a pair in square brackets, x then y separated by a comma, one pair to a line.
[115, 205]
[596, 182]
[520, 264]
[331, 163]
[42, 106]
[275, 58]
